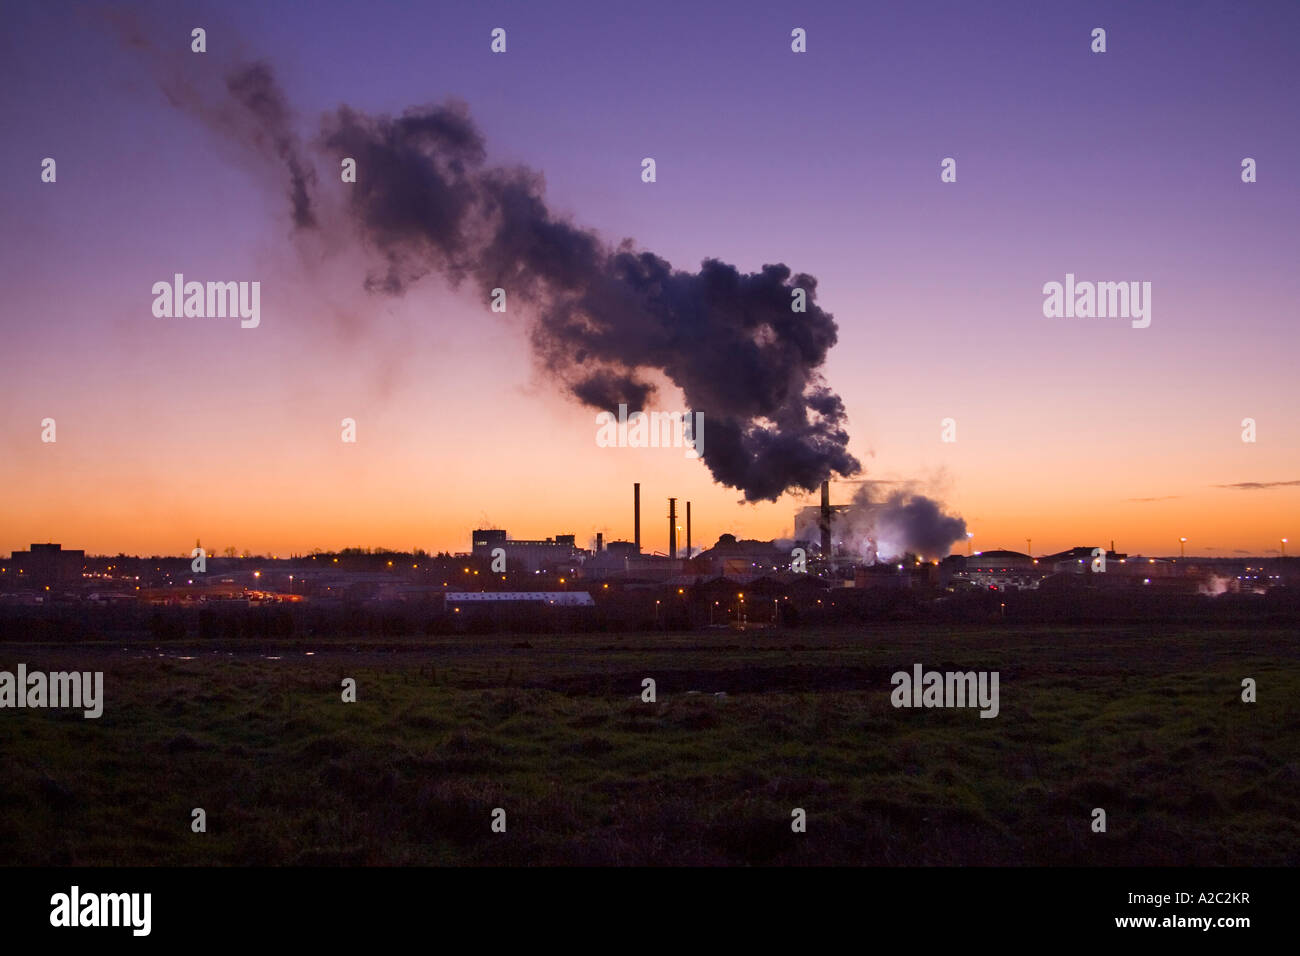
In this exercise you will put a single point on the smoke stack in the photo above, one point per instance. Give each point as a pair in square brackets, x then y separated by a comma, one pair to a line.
[672, 528]
[825, 522]
[688, 531]
[600, 541]
[636, 515]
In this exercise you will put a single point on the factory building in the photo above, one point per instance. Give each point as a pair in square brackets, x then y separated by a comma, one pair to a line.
[743, 559]
[47, 564]
[1004, 571]
[532, 555]
[817, 523]
[1080, 559]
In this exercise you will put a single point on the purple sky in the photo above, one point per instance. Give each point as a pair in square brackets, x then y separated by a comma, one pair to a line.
[1116, 166]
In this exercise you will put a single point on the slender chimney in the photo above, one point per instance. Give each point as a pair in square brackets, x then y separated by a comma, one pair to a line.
[600, 541]
[826, 521]
[672, 528]
[636, 515]
[688, 531]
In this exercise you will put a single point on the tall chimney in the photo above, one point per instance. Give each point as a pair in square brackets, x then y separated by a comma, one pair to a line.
[672, 528]
[825, 522]
[636, 515]
[600, 541]
[688, 531]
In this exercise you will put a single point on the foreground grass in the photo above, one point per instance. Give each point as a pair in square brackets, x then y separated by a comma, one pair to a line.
[1148, 726]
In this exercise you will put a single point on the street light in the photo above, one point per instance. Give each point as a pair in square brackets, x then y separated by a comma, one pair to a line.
[969, 535]
[1182, 547]
[1284, 547]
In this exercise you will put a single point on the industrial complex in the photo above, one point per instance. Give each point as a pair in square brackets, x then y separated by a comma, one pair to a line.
[817, 568]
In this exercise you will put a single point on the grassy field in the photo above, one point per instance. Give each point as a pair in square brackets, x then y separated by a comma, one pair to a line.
[1146, 724]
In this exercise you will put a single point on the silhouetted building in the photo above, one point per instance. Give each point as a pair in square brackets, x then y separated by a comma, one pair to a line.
[1004, 571]
[1079, 560]
[743, 559]
[48, 564]
[532, 555]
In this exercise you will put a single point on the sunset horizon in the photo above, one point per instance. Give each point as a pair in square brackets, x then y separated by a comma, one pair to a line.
[1065, 430]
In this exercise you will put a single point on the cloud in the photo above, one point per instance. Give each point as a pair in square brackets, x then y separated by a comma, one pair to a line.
[1260, 485]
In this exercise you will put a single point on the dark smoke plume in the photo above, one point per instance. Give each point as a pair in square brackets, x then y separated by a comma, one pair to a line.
[606, 320]
[256, 91]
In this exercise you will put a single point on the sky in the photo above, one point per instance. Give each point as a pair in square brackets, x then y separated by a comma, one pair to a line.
[1115, 166]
